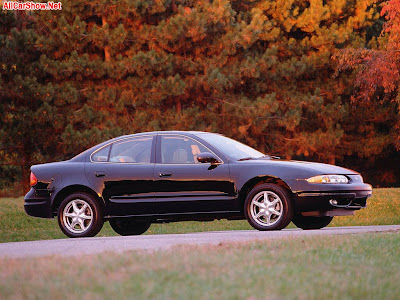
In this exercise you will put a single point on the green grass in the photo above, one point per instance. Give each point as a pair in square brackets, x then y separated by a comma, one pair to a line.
[330, 267]
[383, 208]
[342, 267]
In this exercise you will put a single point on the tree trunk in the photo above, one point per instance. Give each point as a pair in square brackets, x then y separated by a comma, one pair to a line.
[25, 168]
[24, 182]
[178, 105]
[107, 55]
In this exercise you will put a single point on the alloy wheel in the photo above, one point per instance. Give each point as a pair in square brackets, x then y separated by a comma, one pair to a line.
[266, 208]
[77, 216]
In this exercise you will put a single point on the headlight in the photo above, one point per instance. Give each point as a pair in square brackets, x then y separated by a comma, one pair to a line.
[328, 179]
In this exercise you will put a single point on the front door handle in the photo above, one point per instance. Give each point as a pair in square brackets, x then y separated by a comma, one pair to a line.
[164, 174]
[100, 174]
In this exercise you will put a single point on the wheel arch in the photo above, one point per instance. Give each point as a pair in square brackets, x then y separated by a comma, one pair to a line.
[71, 189]
[251, 183]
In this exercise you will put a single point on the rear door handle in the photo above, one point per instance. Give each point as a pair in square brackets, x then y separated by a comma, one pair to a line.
[164, 174]
[100, 174]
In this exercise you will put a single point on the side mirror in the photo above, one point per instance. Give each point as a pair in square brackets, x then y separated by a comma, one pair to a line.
[207, 157]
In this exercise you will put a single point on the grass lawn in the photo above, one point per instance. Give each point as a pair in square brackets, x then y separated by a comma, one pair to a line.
[383, 208]
[330, 267]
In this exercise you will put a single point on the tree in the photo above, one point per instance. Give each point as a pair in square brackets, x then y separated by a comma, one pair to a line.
[377, 68]
[20, 133]
[257, 71]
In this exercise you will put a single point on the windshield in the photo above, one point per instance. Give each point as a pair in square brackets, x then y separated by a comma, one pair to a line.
[231, 148]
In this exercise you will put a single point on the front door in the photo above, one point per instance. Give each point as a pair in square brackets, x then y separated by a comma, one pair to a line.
[184, 185]
[123, 171]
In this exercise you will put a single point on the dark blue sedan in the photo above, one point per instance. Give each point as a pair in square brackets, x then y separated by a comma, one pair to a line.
[156, 177]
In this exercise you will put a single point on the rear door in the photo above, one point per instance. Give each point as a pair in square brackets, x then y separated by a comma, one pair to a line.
[184, 185]
[123, 172]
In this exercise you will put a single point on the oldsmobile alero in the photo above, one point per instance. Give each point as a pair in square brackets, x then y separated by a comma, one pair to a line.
[156, 177]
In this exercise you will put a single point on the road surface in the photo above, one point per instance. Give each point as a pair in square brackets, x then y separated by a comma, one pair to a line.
[73, 247]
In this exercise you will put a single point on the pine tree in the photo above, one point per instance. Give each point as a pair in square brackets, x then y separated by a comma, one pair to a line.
[257, 71]
[20, 129]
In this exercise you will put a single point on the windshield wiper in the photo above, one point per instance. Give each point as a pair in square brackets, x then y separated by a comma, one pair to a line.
[265, 156]
[261, 157]
[246, 158]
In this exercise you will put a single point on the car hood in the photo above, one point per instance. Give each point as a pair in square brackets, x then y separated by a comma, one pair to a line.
[311, 168]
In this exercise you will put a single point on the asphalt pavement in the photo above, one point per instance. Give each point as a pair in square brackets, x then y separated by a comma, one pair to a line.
[118, 244]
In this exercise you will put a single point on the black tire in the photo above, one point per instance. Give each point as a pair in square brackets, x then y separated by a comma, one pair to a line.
[127, 226]
[268, 220]
[73, 214]
[311, 222]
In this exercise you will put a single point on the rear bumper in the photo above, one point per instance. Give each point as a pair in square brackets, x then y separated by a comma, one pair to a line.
[37, 205]
[328, 201]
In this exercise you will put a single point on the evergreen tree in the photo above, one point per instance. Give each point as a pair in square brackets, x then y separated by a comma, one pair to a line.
[21, 131]
[257, 71]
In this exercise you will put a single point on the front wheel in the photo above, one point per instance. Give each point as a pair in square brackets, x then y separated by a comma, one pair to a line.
[268, 207]
[79, 215]
[311, 222]
[126, 226]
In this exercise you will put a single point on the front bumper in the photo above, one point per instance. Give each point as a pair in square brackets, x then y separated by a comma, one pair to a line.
[38, 204]
[331, 200]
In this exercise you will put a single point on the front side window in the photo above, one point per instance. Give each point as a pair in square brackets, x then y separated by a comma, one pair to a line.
[180, 150]
[137, 150]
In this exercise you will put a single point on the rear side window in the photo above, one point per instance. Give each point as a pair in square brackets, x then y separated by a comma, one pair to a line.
[101, 155]
[136, 150]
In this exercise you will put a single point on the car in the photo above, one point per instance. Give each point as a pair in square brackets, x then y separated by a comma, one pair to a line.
[168, 176]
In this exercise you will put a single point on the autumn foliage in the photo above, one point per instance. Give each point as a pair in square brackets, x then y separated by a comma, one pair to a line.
[258, 71]
[377, 67]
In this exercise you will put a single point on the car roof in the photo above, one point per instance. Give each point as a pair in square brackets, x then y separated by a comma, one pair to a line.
[193, 132]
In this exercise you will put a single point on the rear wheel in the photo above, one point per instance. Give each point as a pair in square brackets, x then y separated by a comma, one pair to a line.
[311, 222]
[79, 215]
[127, 226]
[268, 207]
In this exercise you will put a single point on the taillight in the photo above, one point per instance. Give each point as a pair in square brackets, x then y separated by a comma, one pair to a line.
[33, 179]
